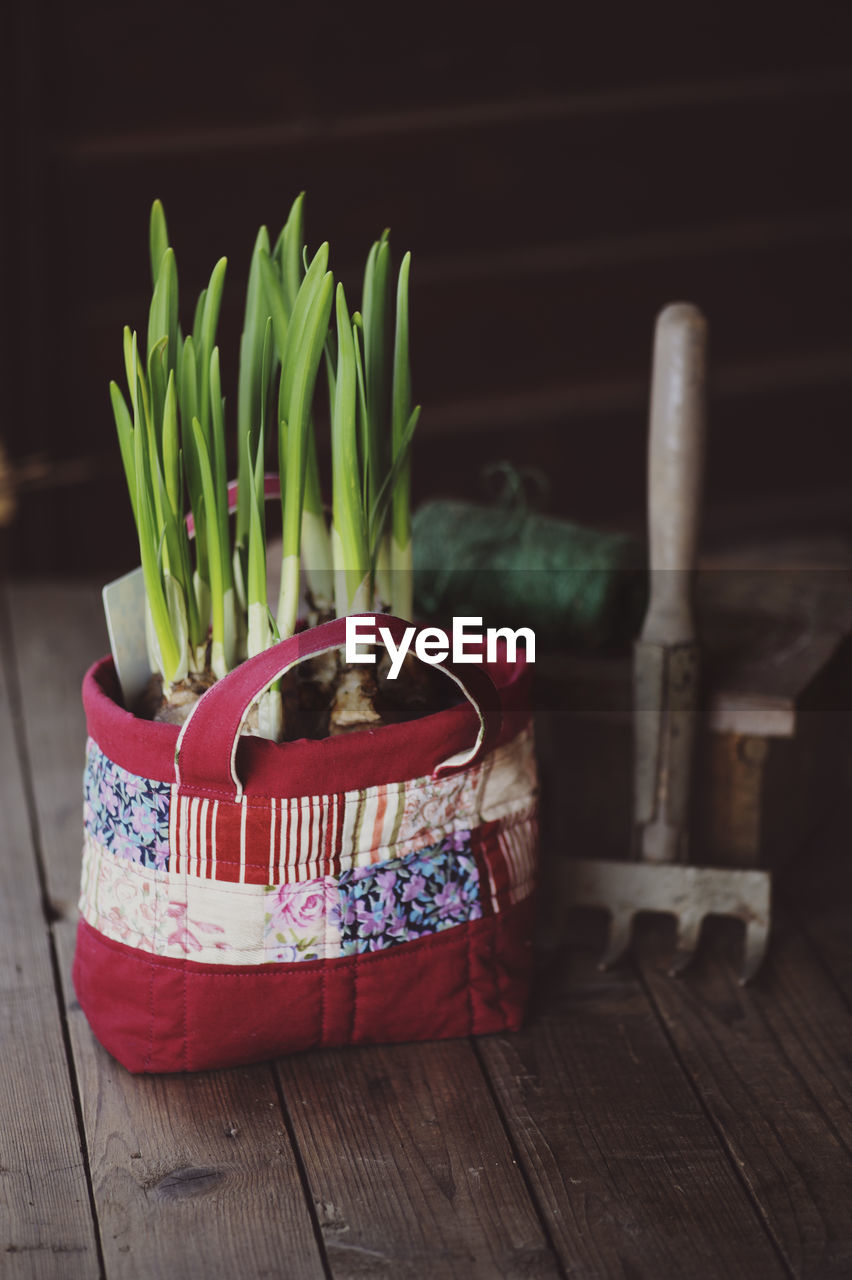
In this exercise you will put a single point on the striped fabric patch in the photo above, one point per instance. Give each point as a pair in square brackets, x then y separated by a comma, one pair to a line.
[509, 850]
[276, 840]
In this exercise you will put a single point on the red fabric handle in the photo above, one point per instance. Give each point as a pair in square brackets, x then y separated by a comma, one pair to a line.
[205, 757]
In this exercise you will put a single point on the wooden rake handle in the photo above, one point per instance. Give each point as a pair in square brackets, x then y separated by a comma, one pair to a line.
[675, 467]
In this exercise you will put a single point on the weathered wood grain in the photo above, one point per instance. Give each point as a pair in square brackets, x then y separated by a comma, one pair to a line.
[715, 1144]
[59, 631]
[771, 1064]
[409, 1165]
[617, 1149]
[446, 55]
[192, 1176]
[46, 1226]
[559, 169]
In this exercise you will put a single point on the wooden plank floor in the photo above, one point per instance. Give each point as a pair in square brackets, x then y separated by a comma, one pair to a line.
[639, 1127]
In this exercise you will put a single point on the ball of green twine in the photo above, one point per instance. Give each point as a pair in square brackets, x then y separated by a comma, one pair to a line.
[574, 586]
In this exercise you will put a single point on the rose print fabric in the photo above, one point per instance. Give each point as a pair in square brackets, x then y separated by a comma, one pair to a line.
[302, 921]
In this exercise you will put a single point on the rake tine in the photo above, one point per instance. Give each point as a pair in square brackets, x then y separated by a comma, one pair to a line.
[618, 939]
[686, 944]
[687, 892]
[756, 939]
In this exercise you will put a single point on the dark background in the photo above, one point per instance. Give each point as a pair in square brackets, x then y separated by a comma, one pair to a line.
[559, 172]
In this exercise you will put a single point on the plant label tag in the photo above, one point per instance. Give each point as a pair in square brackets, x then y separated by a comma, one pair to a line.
[124, 606]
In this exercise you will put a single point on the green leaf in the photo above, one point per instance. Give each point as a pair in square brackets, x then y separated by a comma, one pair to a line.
[389, 489]
[220, 470]
[292, 247]
[198, 318]
[149, 546]
[197, 629]
[208, 487]
[163, 312]
[375, 310]
[294, 337]
[188, 381]
[347, 498]
[273, 294]
[167, 522]
[176, 603]
[401, 413]
[188, 398]
[209, 323]
[124, 427]
[283, 412]
[171, 448]
[256, 579]
[217, 423]
[306, 358]
[401, 366]
[267, 365]
[157, 378]
[306, 353]
[141, 410]
[251, 396]
[158, 238]
[308, 291]
[357, 338]
[313, 488]
[129, 366]
[213, 303]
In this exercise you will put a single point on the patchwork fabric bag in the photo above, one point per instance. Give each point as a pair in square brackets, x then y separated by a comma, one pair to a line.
[242, 899]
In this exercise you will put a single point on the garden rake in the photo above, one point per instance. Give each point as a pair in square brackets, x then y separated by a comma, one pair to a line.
[666, 700]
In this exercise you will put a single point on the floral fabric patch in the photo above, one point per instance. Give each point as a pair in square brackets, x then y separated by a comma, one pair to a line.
[406, 898]
[142, 908]
[373, 907]
[302, 921]
[126, 814]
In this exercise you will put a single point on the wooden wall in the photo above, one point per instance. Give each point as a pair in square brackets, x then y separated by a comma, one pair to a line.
[559, 173]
